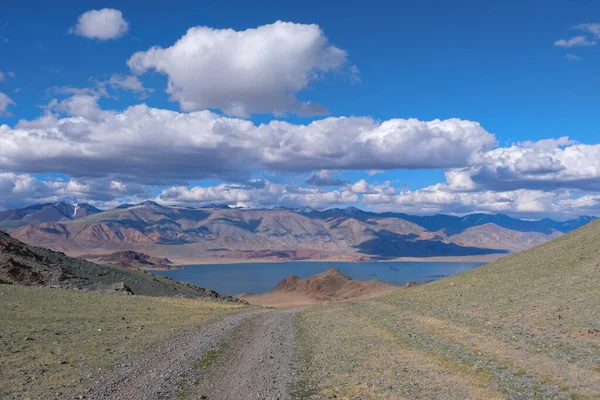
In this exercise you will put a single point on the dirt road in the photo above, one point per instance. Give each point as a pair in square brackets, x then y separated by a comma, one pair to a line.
[244, 356]
[259, 363]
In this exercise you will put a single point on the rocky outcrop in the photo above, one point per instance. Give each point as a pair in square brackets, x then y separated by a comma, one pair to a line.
[130, 259]
[21, 264]
[330, 285]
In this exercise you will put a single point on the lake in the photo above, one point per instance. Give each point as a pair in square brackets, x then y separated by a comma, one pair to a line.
[234, 279]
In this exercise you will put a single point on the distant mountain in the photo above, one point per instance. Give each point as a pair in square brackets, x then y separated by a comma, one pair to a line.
[452, 225]
[124, 205]
[217, 232]
[218, 206]
[48, 212]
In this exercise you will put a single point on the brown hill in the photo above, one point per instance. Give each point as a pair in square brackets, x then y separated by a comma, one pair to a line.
[330, 285]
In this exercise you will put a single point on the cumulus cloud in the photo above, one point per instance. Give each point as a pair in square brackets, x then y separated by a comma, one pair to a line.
[5, 102]
[245, 72]
[104, 24]
[574, 41]
[439, 198]
[522, 202]
[79, 105]
[364, 187]
[165, 147]
[544, 165]
[324, 178]
[267, 194]
[18, 190]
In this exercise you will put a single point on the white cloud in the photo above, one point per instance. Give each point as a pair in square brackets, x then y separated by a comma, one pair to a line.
[434, 199]
[104, 24]
[572, 57]
[545, 165]
[362, 187]
[79, 105]
[18, 190]
[523, 202]
[166, 147]
[362, 143]
[574, 41]
[244, 72]
[593, 28]
[128, 82]
[5, 102]
[257, 194]
[100, 88]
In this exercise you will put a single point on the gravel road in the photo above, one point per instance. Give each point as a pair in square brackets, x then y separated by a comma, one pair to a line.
[260, 363]
[157, 376]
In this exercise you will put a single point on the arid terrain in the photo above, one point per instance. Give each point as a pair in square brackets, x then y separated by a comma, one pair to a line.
[328, 286]
[524, 327]
[223, 234]
[131, 259]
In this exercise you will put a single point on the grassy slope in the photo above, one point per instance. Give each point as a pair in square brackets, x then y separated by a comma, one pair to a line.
[526, 326]
[92, 332]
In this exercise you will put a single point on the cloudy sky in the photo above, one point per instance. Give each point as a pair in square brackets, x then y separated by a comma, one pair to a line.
[412, 106]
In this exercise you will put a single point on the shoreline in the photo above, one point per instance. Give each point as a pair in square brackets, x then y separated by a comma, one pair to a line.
[219, 261]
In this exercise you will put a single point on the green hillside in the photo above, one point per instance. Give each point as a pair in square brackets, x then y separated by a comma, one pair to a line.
[526, 326]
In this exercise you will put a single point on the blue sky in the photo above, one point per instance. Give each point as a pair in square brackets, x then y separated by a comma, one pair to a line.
[494, 64]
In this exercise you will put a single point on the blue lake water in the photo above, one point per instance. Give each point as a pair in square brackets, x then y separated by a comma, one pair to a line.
[233, 279]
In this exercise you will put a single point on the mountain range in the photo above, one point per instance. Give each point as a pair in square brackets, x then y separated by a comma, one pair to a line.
[218, 232]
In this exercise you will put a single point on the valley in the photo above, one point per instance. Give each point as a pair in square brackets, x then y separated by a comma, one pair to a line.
[525, 326]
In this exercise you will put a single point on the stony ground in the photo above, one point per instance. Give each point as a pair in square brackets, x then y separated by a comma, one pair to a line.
[63, 344]
[56, 343]
[167, 371]
[258, 362]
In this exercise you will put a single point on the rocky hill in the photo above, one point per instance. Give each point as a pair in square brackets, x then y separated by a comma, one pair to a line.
[130, 259]
[216, 232]
[34, 266]
[330, 285]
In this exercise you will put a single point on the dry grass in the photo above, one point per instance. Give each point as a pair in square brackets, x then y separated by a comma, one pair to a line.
[526, 326]
[55, 341]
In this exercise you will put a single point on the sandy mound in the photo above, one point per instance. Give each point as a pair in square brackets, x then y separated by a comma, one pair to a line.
[330, 285]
